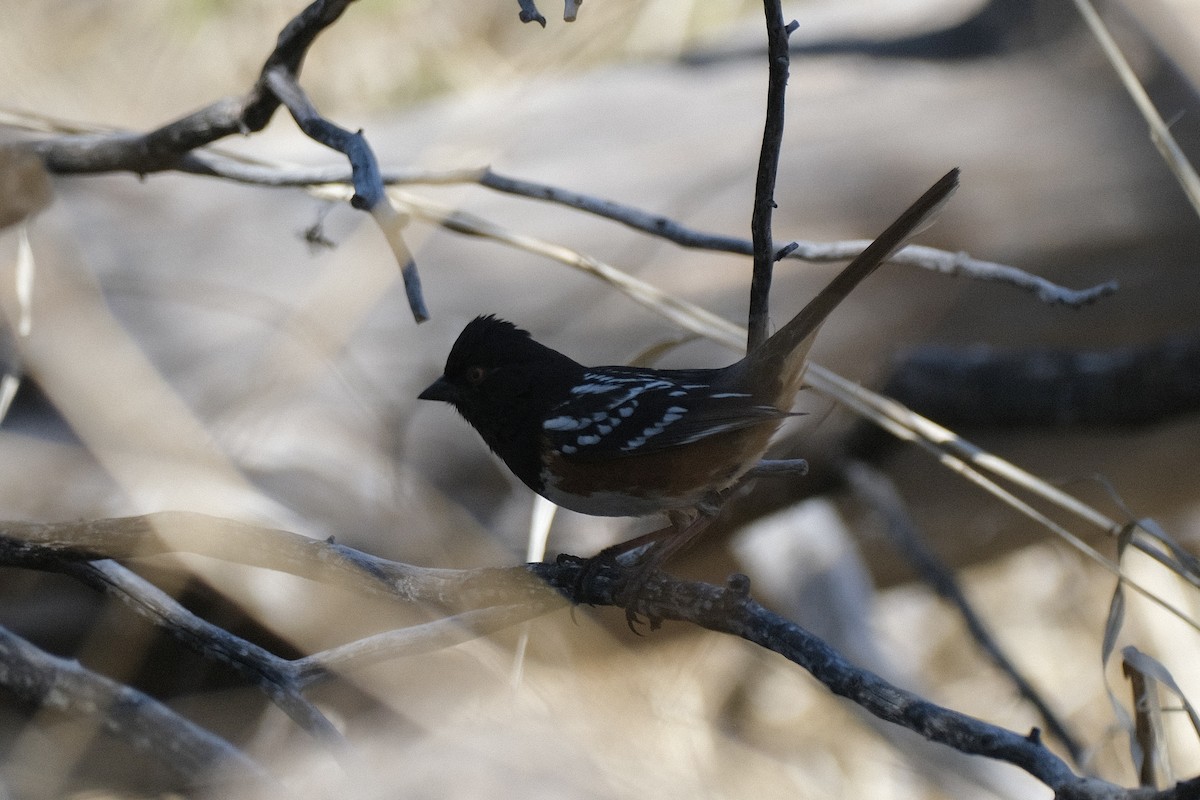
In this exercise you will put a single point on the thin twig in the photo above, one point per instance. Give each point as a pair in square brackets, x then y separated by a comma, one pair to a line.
[369, 192]
[364, 168]
[171, 146]
[907, 540]
[411, 641]
[530, 13]
[1160, 134]
[765, 254]
[930, 258]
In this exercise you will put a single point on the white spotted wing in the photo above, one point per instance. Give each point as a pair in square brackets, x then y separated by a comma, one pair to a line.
[622, 411]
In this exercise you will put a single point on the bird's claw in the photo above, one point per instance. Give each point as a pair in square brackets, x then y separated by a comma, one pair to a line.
[630, 579]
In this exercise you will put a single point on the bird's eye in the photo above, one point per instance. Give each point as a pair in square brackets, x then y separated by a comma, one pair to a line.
[475, 375]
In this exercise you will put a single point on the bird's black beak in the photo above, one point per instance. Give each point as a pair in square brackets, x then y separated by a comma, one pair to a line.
[441, 389]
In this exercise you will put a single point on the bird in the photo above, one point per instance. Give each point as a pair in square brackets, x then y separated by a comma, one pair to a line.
[629, 441]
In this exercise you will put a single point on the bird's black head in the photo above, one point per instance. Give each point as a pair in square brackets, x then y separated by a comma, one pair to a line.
[503, 382]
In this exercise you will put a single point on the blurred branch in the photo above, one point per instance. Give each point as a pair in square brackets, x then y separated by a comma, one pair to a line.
[985, 386]
[81, 550]
[168, 147]
[489, 599]
[878, 491]
[30, 544]
[267, 671]
[976, 465]
[416, 639]
[199, 757]
[24, 186]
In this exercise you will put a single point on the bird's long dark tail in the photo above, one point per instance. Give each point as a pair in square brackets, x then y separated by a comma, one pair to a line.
[786, 351]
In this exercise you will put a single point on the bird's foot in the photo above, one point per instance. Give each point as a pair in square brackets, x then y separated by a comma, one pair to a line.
[634, 595]
[618, 575]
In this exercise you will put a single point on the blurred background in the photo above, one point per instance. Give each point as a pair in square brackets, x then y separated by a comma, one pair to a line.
[189, 348]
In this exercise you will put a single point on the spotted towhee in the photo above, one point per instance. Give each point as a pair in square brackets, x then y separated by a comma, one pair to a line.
[623, 441]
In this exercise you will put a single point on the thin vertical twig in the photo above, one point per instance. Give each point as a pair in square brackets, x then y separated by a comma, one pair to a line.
[369, 192]
[768, 166]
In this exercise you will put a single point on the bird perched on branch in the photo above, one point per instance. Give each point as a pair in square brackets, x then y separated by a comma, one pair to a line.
[626, 442]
